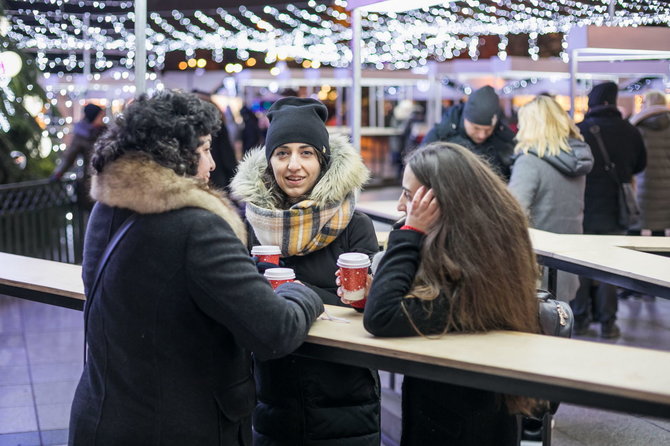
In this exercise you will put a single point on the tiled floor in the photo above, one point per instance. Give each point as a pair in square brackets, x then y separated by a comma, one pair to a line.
[644, 323]
[41, 357]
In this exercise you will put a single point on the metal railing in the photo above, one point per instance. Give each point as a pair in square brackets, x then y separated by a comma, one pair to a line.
[42, 219]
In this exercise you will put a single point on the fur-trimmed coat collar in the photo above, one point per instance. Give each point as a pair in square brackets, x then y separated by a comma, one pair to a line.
[649, 112]
[138, 183]
[346, 173]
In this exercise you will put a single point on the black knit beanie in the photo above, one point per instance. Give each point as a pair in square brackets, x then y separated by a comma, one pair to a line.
[301, 120]
[91, 111]
[482, 106]
[601, 93]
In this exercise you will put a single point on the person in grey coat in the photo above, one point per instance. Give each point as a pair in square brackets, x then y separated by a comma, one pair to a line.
[549, 175]
[180, 306]
[653, 184]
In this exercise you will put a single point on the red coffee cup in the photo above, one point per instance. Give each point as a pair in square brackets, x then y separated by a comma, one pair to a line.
[277, 276]
[353, 276]
[266, 253]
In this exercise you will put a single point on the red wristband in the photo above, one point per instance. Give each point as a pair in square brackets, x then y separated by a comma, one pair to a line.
[412, 228]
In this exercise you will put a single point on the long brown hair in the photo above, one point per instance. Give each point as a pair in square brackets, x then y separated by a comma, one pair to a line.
[479, 254]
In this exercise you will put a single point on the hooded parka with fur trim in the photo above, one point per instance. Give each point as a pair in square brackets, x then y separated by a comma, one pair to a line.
[178, 311]
[303, 401]
[551, 191]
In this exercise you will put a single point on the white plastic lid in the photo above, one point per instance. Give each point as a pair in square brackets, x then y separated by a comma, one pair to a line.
[353, 260]
[279, 274]
[267, 250]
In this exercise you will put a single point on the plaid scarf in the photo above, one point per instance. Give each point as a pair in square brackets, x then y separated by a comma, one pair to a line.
[303, 228]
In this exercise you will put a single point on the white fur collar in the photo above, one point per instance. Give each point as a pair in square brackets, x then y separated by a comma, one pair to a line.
[346, 173]
[138, 183]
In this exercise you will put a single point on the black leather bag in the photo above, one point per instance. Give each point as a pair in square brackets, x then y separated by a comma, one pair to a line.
[629, 210]
[556, 318]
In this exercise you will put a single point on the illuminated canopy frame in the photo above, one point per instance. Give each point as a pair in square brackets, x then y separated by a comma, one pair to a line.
[597, 44]
[542, 16]
[433, 30]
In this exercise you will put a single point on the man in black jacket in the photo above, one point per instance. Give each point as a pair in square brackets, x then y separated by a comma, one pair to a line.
[477, 125]
[625, 148]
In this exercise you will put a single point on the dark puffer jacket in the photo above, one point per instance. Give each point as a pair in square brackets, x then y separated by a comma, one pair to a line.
[304, 401]
[498, 150]
[653, 184]
[301, 401]
[626, 150]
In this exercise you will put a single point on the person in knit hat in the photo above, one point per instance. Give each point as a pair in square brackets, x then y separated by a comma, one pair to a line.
[84, 134]
[300, 194]
[603, 94]
[477, 125]
[605, 129]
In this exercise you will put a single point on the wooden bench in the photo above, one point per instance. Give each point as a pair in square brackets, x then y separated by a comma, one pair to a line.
[637, 380]
[632, 262]
[44, 281]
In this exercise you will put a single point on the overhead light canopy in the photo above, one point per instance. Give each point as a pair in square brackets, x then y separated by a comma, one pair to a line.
[391, 5]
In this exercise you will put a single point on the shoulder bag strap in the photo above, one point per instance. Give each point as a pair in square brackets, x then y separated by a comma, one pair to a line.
[101, 266]
[610, 167]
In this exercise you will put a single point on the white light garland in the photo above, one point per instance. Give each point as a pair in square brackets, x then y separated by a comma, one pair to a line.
[317, 32]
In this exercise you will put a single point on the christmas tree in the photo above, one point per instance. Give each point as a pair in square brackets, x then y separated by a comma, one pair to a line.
[25, 154]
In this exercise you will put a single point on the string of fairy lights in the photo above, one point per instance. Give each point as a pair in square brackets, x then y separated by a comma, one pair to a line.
[60, 32]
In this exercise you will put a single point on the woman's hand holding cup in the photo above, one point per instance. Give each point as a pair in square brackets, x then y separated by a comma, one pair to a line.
[277, 276]
[352, 278]
[353, 303]
[266, 253]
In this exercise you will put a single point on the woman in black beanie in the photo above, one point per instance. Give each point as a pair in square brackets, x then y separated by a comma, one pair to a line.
[300, 194]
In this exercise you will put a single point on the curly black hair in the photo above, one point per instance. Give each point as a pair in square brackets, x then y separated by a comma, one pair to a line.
[166, 126]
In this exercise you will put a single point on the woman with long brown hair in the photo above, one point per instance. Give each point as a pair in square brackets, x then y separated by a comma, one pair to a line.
[463, 262]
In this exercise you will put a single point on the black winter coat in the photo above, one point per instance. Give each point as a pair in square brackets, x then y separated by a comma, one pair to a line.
[432, 413]
[303, 401]
[498, 150]
[223, 155]
[178, 311]
[626, 150]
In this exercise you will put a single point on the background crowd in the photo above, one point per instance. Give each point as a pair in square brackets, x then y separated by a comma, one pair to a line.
[469, 193]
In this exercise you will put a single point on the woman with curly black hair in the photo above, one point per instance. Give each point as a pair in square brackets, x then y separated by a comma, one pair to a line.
[179, 305]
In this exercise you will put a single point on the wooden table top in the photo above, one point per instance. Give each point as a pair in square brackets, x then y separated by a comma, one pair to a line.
[630, 372]
[382, 209]
[570, 370]
[620, 255]
[43, 276]
[626, 256]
